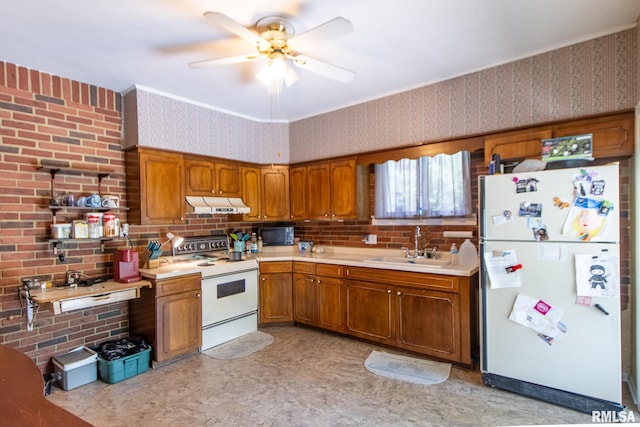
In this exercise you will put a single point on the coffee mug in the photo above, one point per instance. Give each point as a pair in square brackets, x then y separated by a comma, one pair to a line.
[93, 201]
[110, 201]
[81, 201]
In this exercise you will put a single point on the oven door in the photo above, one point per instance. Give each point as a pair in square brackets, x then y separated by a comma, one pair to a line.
[228, 296]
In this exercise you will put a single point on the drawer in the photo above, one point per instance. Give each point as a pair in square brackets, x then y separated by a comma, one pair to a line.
[65, 305]
[304, 267]
[276, 267]
[191, 282]
[405, 278]
[331, 270]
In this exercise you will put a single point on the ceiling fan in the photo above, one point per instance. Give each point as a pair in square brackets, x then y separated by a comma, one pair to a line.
[275, 41]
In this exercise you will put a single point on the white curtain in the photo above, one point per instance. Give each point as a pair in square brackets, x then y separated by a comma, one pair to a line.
[438, 186]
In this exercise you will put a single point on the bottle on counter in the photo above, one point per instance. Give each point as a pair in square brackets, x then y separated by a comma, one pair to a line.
[254, 243]
[468, 254]
[454, 253]
[260, 244]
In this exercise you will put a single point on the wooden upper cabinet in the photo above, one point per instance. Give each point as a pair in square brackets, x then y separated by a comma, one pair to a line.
[274, 188]
[527, 145]
[251, 178]
[298, 193]
[318, 191]
[344, 195]
[155, 187]
[612, 136]
[228, 179]
[205, 176]
[330, 188]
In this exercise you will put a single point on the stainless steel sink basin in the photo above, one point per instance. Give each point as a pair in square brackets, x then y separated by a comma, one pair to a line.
[427, 262]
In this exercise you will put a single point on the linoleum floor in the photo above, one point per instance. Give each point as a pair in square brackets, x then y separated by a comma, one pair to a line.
[305, 378]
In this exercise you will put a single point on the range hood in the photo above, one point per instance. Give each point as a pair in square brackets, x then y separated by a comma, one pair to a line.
[217, 205]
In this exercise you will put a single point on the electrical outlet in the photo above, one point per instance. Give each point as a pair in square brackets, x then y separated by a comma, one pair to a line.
[371, 239]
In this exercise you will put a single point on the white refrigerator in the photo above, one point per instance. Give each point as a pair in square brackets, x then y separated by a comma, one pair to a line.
[550, 286]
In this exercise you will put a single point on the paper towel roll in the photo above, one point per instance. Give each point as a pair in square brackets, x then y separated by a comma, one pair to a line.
[458, 234]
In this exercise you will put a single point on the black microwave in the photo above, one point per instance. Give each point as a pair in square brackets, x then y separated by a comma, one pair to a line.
[276, 236]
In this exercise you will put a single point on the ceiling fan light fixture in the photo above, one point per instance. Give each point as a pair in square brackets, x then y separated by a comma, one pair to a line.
[276, 73]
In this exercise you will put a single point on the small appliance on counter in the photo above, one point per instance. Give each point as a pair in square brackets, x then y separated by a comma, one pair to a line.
[277, 236]
[126, 266]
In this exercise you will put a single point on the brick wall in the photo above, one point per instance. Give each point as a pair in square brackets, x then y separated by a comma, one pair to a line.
[46, 119]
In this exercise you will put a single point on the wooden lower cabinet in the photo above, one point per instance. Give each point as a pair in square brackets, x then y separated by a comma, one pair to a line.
[370, 312]
[431, 314]
[318, 295]
[169, 317]
[275, 292]
[428, 322]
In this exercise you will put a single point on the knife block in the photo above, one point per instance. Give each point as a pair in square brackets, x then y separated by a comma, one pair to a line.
[150, 259]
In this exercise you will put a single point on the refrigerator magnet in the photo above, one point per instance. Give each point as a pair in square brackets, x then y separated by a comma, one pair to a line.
[502, 219]
[526, 185]
[530, 209]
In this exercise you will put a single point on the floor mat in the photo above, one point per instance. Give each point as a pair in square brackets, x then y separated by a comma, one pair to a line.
[240, 347]
[410, 369]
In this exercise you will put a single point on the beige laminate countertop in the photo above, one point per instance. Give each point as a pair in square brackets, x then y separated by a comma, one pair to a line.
[361, 257]
[356, 257]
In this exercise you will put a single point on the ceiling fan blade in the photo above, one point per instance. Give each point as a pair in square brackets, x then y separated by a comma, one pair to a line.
[232, 26]
[224, 61]
[337, 27]
[323, 68]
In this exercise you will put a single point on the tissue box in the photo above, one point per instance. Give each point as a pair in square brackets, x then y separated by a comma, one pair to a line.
[76, 368]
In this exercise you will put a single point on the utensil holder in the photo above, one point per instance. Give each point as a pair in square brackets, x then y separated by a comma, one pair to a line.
[238, 246]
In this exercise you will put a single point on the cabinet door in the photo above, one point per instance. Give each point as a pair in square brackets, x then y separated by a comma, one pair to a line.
[330, 293]
[276, 300]
[250, 177]
[611, 136]
[297, 190]
[228, 179]
[527, 145]
[304, 298]
[199, 176]
[318, 191]
[179, 325]
[429, 322]
[344, 195]
[275, 193]
[370, 311]
[162, 199]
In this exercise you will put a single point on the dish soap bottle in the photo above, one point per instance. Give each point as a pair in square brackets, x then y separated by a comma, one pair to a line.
[254, 243]
[468, 254]
[454, 253]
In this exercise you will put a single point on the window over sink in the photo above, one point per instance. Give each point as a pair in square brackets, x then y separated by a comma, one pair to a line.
[427, 188]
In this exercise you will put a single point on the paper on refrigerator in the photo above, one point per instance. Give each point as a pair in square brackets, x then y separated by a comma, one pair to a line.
[498, 264]
[539, 316]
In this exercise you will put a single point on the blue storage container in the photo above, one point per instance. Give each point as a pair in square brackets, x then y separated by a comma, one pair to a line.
[113, 371]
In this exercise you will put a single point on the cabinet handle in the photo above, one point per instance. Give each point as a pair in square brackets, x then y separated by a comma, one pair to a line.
[318, 280]
[399, 293]
[309, 280]
[389, 291]
[197, 296]
[264, 278]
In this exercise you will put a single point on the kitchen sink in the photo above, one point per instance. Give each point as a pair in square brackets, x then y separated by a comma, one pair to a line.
[427, 262]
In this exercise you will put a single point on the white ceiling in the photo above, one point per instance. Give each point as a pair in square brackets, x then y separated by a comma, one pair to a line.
[396, 45]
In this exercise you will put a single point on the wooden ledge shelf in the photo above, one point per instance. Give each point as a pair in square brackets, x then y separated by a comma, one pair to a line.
[67, 299]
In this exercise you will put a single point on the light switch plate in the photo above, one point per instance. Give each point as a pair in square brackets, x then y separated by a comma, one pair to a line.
[371, 239]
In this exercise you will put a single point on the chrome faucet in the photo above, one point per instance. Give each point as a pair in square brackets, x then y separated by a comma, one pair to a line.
[416, 251]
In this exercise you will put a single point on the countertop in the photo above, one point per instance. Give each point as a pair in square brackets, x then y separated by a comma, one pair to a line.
[357, 257]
